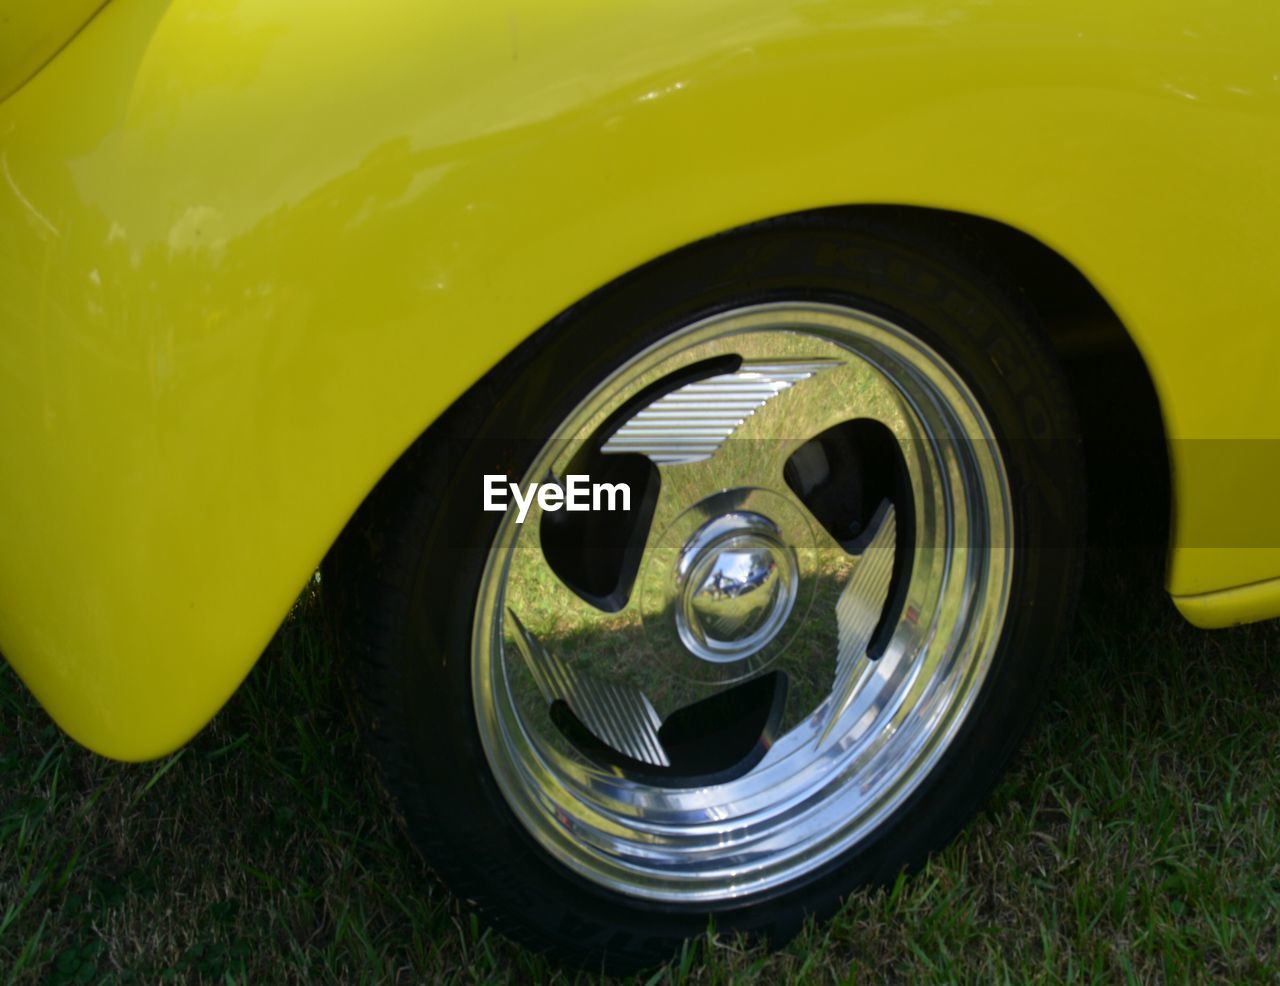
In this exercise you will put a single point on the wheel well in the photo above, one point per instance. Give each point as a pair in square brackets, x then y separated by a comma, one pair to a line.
[1126, 456]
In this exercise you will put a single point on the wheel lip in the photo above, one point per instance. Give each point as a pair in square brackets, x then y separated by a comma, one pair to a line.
[730, 882]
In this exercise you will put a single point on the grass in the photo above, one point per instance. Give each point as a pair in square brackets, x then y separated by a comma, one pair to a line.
[1137, 838]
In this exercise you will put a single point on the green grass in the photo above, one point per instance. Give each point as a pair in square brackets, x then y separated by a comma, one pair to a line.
[1137, 838]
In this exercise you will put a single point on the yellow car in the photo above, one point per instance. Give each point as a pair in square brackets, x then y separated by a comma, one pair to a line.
[691, 404]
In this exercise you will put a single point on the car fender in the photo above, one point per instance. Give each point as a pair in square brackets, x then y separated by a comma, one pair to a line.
[250, 250]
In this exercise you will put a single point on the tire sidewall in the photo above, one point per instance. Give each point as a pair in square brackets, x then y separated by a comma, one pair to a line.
[973, 323]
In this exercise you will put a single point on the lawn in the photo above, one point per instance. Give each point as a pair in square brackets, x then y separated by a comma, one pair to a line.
[1137, 838]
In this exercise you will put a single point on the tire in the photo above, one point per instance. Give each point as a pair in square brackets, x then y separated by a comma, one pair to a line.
[528, 759]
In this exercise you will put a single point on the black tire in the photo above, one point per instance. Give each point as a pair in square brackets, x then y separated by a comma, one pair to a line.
[409, 566]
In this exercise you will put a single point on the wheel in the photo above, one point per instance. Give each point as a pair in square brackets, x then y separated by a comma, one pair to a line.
[800, 659]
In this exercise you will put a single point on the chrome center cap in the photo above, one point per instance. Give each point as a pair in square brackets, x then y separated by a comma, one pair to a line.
[737, 585]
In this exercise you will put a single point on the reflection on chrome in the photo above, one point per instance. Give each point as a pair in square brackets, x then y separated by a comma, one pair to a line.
[736, 583]
[691, 423]
[881, 625]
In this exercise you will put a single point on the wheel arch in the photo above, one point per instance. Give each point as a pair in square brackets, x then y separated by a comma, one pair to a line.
[1125, 444]
[1123, 425]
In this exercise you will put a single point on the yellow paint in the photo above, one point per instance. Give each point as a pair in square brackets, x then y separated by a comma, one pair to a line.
[1227, 607]
[249, 250]
[31, 32]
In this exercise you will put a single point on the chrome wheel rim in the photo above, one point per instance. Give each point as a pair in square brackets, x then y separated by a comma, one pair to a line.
[740, 580]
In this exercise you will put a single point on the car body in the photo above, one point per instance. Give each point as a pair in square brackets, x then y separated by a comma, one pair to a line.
[250, 250]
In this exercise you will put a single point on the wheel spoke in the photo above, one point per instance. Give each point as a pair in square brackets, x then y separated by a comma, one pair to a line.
[621, 716]
[693, 422]
[858, 611]
[541, 597]
[545, 618]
